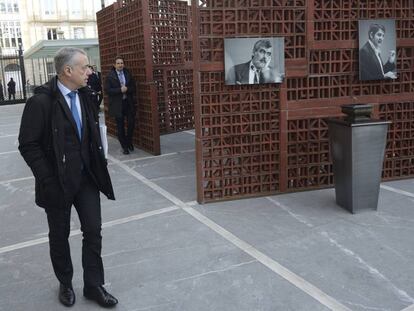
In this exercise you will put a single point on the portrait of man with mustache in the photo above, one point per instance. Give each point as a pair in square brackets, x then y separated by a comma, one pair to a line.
[258, 69]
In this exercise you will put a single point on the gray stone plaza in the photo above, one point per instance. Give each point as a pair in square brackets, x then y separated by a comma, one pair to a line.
[163, 251]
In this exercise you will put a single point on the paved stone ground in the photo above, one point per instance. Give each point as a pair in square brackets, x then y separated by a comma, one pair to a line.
[162, 251]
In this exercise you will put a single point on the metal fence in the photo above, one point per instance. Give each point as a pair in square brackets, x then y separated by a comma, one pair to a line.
[13, 83]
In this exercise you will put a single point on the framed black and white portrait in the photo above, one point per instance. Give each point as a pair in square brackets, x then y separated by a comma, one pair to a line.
[254, 60]
[377, 49]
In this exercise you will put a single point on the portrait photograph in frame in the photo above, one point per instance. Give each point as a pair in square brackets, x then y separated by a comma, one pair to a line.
[254, 60]
[377, 49]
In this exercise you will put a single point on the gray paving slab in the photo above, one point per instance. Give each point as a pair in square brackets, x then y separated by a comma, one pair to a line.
[350, 257]
[132, 196]
[10, 120]
[17, 206]
[21, 220]
[8, 144]
[183, 187]
[176, 165]
[115, 150]
[171, 261]
[177, 142]
[174, 172]
[404, 185]
[166, 262]
[12, 166]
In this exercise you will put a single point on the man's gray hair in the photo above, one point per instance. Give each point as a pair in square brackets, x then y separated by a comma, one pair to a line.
[262, 43]
[65, 57]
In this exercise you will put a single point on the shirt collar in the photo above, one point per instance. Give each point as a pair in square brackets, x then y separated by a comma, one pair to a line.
[253, 68]
[377, 51]
[63, 89]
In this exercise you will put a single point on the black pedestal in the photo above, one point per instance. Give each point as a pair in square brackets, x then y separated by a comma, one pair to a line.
[358, 153]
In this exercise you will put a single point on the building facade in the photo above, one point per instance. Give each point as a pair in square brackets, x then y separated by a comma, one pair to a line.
[53, 20]
[29, 23]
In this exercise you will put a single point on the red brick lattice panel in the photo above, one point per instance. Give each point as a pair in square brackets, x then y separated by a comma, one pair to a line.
[399, 153]
[309, 163]
[240, 143]
[121, 29]
[107, 37]
[154, 38]
[172, 64]
[321, 52]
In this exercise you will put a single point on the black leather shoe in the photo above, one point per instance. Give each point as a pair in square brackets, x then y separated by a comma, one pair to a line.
[66, 295]
[100, 295]
[125, 151]
[131, 147]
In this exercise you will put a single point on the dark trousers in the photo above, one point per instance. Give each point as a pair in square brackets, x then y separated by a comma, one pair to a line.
[125, 139]
[88, 206]
[12, 94]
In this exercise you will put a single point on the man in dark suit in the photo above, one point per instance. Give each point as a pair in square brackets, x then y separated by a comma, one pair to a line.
[257, 70]
[371, 66]
[59, 139]
[95, 83]
[11, 89]
[1, 91]
[120, 88]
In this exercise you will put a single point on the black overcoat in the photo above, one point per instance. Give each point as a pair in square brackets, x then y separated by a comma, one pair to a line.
[41, 143]
[113, 90]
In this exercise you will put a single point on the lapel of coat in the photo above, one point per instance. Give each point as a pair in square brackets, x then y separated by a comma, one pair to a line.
[377, 62]
[126, 77]
[245, 73]
[83, 108]
[64, 105]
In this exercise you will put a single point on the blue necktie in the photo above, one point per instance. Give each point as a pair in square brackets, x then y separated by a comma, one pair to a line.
[75, 113]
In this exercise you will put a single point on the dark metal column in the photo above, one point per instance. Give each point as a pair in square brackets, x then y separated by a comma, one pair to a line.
[357, 148]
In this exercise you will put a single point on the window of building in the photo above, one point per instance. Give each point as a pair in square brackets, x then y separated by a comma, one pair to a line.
[78, 33]
[9, 6]
[49, 7]
[50, 68]
[10, 34]
[76, 8]
[51, 33]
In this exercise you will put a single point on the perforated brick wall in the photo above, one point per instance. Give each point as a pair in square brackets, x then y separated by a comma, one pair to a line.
[255, 140]
[154, 38]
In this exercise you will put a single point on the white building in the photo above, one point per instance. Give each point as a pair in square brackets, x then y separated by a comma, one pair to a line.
[63, 19]
[42, 27]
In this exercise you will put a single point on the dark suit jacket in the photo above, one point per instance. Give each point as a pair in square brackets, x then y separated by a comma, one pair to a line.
[369, 65]
[239, 74]
[11, 87]
[49, 144]
[94, 81]
[113, 90]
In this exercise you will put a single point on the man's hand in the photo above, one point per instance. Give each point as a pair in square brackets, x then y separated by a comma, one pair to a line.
[391, 58]
[124, 89]
[266, 75]
[390, 75]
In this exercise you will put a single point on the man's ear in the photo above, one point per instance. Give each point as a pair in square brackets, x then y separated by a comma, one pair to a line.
[67, 70]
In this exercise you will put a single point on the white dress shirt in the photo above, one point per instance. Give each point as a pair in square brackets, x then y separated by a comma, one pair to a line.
[65, 91]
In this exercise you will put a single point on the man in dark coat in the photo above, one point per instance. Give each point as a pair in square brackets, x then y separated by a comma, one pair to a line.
[257, 70]
[371, 66]
[11, 89]
[120, 88]
[1, 91]
[95, 83]
[59, 139]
